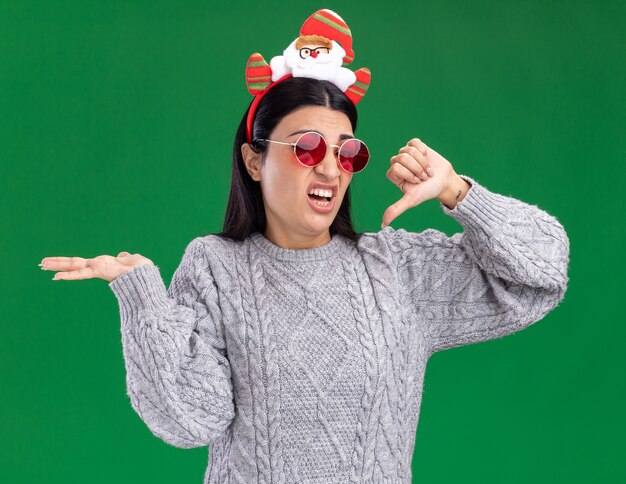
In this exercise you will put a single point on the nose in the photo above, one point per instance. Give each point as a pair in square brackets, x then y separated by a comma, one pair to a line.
[329, 167]
[314, 54]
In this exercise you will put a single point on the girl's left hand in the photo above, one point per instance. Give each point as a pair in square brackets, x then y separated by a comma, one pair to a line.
[421, 173]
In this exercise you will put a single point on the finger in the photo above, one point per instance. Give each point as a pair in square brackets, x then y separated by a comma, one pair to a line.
[419, 144]
[413, 151]
[406, 159]
[63, 263]
[83, 273]
[402, 205]
[398, 174]
[50, 259]
[423, 164]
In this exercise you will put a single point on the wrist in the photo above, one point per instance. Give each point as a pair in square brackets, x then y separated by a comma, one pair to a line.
[455, 192]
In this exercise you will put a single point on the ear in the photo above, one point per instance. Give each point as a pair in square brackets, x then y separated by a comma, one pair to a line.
[252, 160]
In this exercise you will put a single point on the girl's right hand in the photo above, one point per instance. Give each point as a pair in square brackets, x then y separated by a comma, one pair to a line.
[104, 267]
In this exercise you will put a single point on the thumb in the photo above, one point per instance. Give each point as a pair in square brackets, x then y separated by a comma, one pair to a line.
[395, 210]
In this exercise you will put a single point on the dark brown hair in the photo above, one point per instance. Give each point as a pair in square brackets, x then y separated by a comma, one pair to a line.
[245, 213]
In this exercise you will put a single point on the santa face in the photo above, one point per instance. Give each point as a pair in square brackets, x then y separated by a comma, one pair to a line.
[314, 59]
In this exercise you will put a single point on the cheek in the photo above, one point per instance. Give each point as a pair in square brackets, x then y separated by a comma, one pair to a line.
[282, 185]
[345, 183]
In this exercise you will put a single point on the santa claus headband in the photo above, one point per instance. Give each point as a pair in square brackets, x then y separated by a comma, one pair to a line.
[324, 43]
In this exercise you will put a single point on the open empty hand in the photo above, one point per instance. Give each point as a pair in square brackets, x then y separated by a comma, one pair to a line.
[105, 267]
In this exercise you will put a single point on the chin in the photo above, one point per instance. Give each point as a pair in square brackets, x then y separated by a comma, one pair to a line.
[319, 225]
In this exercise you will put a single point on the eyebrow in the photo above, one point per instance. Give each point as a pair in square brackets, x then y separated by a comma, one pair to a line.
[341, 136]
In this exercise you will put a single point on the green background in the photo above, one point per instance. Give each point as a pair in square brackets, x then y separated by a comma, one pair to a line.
[116, 126]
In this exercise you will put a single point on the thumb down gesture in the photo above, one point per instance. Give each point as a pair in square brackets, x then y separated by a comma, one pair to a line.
[421, 174]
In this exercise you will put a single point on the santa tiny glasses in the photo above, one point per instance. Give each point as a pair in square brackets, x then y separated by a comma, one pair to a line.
[308, 52]
[310, 149]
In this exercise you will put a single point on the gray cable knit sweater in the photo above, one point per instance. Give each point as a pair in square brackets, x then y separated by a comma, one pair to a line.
[307, 366]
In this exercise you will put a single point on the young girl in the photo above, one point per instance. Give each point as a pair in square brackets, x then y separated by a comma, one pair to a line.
[293, 346]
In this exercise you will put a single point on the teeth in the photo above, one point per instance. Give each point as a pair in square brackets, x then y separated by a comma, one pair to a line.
[321, 193]
[322, 204]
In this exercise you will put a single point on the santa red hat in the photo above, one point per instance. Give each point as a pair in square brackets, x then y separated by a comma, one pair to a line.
[327, 23]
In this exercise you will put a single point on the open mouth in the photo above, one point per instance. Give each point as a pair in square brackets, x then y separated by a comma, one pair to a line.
[319, 198]
[322, 198]
[322, 202]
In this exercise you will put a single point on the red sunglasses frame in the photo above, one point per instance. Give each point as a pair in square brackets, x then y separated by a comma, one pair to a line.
[337, 153]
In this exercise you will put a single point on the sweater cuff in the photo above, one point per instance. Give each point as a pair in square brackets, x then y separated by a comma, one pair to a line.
[140, 289]
[479, 208]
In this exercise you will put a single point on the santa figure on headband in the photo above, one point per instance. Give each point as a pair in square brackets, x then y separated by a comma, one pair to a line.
[324, 44]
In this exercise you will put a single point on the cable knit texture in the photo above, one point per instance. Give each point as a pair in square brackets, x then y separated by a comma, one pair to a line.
[307, 366]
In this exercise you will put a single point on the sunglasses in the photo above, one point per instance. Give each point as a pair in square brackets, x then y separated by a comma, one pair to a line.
[310, 149]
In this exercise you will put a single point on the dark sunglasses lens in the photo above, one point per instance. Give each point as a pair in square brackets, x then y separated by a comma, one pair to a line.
[310, 149]
[354, 155]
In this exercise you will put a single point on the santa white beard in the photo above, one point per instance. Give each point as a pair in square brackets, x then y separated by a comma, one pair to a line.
[325, 67]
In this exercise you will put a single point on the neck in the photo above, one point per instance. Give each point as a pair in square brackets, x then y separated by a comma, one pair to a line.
[295, 241]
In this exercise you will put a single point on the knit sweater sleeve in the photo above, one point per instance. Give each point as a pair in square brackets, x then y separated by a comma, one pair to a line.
[177, 372]
[504, 272]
